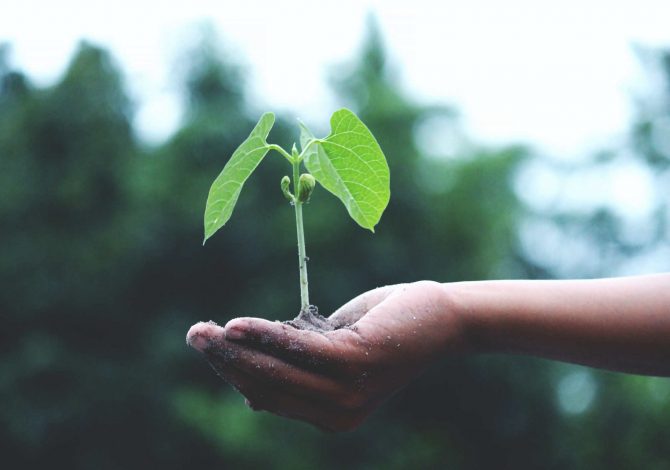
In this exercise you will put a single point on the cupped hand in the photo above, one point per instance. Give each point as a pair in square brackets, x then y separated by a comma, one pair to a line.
[334, 380]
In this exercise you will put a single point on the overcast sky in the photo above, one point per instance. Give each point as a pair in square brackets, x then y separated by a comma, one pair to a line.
[558, 75]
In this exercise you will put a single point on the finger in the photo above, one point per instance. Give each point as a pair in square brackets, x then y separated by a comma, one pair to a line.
[274, 373]
[209, 338]
[203, 334]
[309, 349]
[352, 311]
[260, 396]
[376, 322]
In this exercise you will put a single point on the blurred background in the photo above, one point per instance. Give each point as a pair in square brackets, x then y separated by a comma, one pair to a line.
[524, 141]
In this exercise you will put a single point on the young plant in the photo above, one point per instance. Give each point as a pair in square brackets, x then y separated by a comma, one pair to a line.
[348, 162]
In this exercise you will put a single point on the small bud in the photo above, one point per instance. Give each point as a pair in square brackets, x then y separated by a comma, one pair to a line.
[285, 183]
[294, 151]
[306, 185]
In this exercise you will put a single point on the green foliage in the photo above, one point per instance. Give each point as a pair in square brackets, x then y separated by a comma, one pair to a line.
[350, 164]
[227, 186]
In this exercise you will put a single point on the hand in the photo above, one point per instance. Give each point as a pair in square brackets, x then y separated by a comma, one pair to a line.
[334, 380]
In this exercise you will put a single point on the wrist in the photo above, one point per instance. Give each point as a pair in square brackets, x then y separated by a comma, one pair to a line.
[459, 322]
[464, 301]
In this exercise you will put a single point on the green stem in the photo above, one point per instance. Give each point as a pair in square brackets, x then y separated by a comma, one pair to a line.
[307, 146]
[281, 150]
[302, 256]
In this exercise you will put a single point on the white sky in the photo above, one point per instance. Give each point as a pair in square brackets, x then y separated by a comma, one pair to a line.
[558, 75]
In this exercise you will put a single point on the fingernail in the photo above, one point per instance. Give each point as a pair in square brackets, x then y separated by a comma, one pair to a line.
[197, 337]
[234, 333]
[198, 342]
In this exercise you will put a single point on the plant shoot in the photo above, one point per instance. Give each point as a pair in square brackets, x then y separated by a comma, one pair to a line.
[348, 162]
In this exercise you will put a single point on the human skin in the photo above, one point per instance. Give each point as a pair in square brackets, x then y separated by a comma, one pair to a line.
[334, 380]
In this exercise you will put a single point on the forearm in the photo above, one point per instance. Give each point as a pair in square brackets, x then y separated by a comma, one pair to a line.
[619, 324]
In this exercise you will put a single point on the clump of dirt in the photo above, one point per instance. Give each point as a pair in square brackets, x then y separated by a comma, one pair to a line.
[310, 319]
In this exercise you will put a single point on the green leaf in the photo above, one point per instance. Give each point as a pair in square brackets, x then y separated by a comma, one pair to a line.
[350, 164]
[227, 186]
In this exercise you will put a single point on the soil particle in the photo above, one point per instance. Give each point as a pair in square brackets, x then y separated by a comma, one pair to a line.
[310, 319]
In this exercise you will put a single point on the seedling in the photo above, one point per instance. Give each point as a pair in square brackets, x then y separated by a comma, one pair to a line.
[348, 162]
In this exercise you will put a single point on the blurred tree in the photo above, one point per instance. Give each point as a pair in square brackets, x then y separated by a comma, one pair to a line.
[76, 371]
[651, 130]
[609, 212]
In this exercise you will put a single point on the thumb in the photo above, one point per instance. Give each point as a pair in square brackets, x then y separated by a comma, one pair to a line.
[352, 311]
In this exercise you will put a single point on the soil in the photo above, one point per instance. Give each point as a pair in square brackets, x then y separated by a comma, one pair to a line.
[310, 319]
